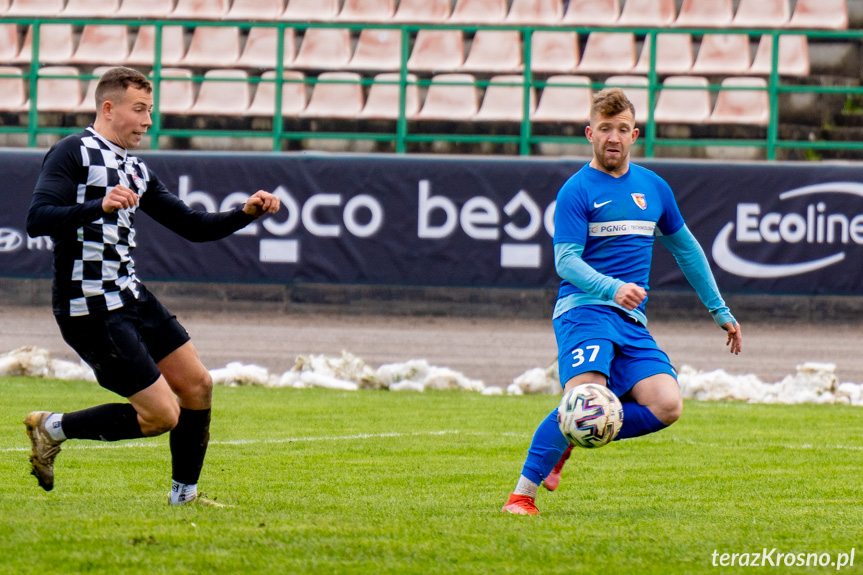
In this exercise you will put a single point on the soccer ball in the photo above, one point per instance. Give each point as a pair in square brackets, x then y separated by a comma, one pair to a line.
[590, 415]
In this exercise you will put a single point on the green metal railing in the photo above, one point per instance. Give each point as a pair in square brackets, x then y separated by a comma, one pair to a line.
[406, 131]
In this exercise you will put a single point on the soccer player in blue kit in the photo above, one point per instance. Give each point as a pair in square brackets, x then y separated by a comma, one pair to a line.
[606, 219]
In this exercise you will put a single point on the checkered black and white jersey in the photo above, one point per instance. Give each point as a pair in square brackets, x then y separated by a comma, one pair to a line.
[93, 266]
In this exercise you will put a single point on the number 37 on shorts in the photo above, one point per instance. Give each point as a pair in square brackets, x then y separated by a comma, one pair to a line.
[588, 354]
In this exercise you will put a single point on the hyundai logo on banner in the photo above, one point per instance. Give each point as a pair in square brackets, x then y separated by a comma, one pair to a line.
[818, 226]
[10, 240]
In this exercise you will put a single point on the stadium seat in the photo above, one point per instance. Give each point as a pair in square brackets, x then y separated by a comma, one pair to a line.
[742, 106]
[222, 94]
[505, 103]
[592, 12]
[4, 6]
[213, 46]
[635, 88]
[340, 95]
[450, 97]
[367, 11]
[58, 94]
[793, 55]
[647, 13]
[377, 49]
[55, 44]
[102, 44]
[479, 12]
[311, 10]
[383, 100]
[437, 51]
[705, 14]
[564, 103]
[723, 54]
[262, 46]
[293, 95]
[324, 48]
[91, 8]
[554, 52]
[830, 14]
[494, 51]
[35, 8]
[8, 42]
[144, 50]
[200, 9]
[266, 10]
[176, 91]
[608, 52]
[679, 106]
[88, 104]
[543, 12]
[13, 91]
[761, 14]
[145, 9]
[425, 11]
[673, 54]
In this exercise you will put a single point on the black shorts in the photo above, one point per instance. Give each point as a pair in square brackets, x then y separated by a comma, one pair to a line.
[124, 345]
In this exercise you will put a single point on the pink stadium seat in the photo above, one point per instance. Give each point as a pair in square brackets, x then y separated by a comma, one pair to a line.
[88, 104]
[705, 14]
[555, 52]
[437, 51]
[293, 95]
[367, 10]
[266, 10]
[145, 9]
[377, 49]
[723, 54]
[494, 51]
[761, 14]
[425, 11]
[58, 94]
[55, 44]
[102, 44]
[200, 9]
[176, 96]
[4, 6]
[592, 12]
[35, 8]
[742, 106]
[635, 88]
[673, 54]
[546, 12]
[690, 106]
[222, 94]
[830, 14]
[91, 8]
[311, 10]
[793, 55]
[13, 93]
[262, 46]
[144, 49]
[339, 96]
[383, 100]
[324, 48]
[450, 97]
[8, 42]
[213, 46]
[479, 11]
[503, 102]
[652, 13]
[564, 103]
[608, 52]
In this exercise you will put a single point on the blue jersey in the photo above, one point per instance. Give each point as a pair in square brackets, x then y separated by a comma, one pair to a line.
[616, 220]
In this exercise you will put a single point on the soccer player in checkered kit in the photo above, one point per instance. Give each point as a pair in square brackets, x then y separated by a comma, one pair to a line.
[605, 222]
[86, 199]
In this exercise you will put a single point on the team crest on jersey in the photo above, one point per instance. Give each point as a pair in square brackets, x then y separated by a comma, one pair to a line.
[639, 201]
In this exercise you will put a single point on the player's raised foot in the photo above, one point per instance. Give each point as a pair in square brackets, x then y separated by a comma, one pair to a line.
[44, 449]
[520, 505]
[553, 480]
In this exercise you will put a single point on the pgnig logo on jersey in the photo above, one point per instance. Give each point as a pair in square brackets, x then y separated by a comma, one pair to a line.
[824, 232]
[10, 240]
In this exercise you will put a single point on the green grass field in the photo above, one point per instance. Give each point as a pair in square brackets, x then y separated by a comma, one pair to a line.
[376, 482]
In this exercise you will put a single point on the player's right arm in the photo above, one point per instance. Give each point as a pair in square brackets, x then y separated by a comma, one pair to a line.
[571, 267]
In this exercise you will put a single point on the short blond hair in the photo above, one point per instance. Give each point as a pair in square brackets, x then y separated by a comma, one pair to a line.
[610, 102]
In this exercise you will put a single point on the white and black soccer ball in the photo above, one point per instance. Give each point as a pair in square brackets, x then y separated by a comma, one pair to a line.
[590, 415]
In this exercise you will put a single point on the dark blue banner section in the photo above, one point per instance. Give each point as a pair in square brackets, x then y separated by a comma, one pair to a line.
[766, 228]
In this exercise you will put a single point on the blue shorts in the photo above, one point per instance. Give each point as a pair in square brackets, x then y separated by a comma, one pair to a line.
[604, 339]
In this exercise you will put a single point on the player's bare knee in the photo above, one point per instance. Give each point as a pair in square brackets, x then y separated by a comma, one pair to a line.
[160, 422]
[669, 410]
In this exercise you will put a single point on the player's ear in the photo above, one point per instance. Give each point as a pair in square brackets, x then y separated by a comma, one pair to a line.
[635, 132]
[106, 109]
[588, 131]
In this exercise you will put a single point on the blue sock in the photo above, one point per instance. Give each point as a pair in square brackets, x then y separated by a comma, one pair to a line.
[638, 421]
[545, 450]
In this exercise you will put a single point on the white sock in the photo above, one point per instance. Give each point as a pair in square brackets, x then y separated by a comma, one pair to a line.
[526, 487]
[182, 493]
[54, 427]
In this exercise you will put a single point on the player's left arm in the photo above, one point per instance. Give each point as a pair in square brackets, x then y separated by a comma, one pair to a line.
[262, 202]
